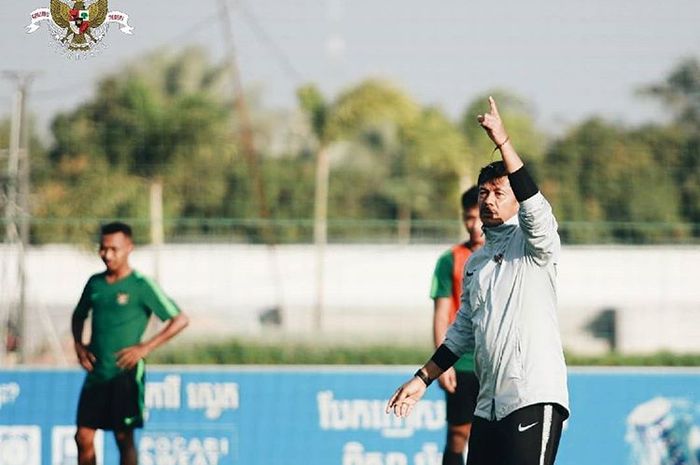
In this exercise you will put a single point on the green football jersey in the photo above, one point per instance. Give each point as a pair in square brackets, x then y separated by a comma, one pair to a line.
[443, 286]
[120, 314]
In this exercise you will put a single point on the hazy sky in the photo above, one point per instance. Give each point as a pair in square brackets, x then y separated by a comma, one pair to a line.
[570, 59]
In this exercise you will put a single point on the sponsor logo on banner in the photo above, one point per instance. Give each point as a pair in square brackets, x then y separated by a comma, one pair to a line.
[9, 392]
[213, 398]
[64, 450]
[164, 394]
[77, 27]
[664, 431]
[20, 445]
[369, 414]
[173, 448]
[354, 453]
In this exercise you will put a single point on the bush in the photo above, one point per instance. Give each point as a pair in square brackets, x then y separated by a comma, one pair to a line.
[246, 352]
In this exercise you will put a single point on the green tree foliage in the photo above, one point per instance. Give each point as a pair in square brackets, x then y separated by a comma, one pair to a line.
[437, 156]
[81, 190]
[316, 108]
[161, 118]
[169, 117]
[680, 92]
[600, 172]
[608, 182]
[420, 165]
[689, 181]
[372, 102]
[161, 113]
[391, 158]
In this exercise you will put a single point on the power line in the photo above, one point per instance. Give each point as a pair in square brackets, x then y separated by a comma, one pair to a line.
[266, 39]
[248, 148]
[193, 28]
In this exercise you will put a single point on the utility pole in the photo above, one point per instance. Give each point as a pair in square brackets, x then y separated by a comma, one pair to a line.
[241, 107]
[156, 223]
[321, 232]
[17, 212]
[247, 142]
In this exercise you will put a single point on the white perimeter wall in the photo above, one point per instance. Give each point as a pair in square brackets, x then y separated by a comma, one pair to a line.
[374, 291]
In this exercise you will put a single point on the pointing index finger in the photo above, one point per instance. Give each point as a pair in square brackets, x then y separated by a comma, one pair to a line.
[494, 108]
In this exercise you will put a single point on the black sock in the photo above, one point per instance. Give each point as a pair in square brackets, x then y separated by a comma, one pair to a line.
[452, 458]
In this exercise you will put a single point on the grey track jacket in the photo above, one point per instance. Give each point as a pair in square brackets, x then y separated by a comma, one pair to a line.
[508, 314]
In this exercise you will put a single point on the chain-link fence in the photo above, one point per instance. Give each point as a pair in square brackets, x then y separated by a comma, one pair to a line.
[84, 231]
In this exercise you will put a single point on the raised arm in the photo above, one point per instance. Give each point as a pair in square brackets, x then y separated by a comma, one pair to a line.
[535, 215]
[492, 124]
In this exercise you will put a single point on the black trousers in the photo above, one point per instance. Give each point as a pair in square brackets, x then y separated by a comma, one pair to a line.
[461, 403]
[528, 436]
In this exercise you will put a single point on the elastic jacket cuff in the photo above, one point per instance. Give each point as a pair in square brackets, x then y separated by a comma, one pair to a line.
[522, 184]
[444, 357]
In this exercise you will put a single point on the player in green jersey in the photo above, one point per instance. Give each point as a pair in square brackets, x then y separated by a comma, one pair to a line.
[121, 301]
[460, 383]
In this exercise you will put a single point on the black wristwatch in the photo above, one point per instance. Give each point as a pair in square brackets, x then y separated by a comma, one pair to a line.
[423, 377]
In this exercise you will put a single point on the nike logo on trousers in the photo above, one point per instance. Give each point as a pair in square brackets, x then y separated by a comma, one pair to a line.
[522, 428]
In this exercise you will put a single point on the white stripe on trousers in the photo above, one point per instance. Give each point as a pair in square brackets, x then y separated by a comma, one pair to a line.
[546, 430]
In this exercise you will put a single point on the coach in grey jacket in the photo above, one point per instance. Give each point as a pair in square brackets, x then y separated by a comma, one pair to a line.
[508, 317]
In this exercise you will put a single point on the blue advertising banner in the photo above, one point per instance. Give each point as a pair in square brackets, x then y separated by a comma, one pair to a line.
[332, 415]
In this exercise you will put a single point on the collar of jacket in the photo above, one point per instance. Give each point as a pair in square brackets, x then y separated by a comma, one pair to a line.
[495, 234]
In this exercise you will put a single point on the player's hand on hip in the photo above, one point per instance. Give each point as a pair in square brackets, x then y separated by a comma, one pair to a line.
[492, 124]
[405, 397]
[128, 357]
[448, 380]
[85, 357]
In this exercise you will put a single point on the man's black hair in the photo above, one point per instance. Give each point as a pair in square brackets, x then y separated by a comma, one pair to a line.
[494, 170]
[116, 227]
[470, 198]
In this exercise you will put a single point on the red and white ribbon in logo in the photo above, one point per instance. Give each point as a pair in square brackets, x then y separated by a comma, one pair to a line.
[42, 14]
[38, 15]
[120, 18]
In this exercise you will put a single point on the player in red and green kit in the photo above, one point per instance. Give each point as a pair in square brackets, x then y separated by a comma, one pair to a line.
[121, 301]
[459, 382]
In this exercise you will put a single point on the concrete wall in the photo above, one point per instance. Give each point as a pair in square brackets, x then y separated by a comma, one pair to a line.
[651, 294]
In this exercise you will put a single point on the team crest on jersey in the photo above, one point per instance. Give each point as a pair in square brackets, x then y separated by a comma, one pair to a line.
[122, 298]
[78, 28]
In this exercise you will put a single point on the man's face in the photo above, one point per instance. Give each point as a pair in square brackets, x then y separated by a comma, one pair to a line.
[114, 251]
[497, 202]
[472, 223]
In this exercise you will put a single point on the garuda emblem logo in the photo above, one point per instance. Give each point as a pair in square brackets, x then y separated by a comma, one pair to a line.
[79, 27]
[79, 21]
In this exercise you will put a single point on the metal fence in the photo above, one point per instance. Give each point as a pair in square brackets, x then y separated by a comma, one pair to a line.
[348, 231]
